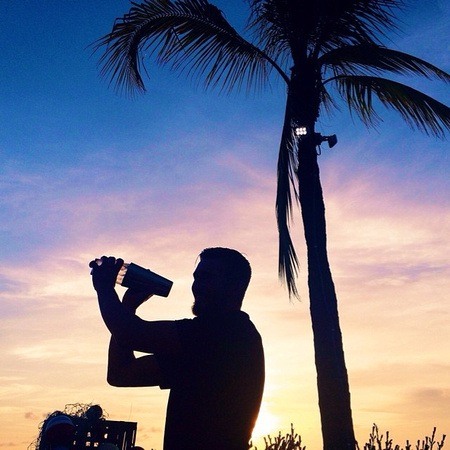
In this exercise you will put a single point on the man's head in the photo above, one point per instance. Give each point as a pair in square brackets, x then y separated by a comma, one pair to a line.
[220, 280]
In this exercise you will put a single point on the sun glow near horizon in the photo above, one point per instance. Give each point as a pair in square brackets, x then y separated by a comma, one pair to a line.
[267, 424]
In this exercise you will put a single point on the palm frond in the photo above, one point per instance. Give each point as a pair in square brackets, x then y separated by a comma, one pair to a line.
[353, 22]
[287, 194]
[364, 59]
[268, 24]
[418, 109]
[190, 35]
[321, 25]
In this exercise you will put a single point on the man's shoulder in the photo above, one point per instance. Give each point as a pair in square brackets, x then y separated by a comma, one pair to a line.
[187, 329]
[186, 323]
[235, 325]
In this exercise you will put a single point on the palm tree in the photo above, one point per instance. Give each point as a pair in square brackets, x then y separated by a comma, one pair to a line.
[321, 49]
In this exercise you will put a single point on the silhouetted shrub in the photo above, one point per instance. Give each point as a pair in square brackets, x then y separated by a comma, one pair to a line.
[290, 441]
[377, 441]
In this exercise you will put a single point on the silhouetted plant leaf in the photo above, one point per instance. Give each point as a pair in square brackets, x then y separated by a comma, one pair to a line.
[189, 35]
[416, 108]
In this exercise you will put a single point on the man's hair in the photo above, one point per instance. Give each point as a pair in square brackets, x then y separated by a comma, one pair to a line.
[236, 267]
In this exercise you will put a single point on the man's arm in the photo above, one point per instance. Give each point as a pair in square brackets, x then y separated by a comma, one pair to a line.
[129, 332]
[124, 369]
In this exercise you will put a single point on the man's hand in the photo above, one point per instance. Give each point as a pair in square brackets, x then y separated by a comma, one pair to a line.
[132, 299]
[104, 275]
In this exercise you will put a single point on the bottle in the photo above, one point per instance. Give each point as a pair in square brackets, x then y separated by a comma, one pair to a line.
[136, 277]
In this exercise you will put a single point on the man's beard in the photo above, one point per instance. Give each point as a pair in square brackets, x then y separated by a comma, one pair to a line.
[199, 309]
[196, 309]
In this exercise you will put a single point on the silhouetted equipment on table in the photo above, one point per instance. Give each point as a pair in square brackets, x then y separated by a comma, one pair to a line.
[91, 434]
[84, 427]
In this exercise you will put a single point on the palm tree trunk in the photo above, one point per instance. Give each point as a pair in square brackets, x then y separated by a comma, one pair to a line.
[332, 378]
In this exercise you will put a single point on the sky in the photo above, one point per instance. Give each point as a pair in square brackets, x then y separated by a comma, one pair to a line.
[155, 179]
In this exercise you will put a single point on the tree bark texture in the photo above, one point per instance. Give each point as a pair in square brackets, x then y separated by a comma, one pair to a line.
[332, 378]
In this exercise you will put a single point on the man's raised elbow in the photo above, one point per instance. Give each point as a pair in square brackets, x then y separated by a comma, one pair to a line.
[112, 381]
[116, 381]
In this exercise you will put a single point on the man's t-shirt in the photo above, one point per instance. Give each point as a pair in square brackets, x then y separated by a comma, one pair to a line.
[216, 383]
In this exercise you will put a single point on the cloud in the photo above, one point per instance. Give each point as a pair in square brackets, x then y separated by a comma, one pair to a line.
[374, 230]
[80, 205]
[431, 396]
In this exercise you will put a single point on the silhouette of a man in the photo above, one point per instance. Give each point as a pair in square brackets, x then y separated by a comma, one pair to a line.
[213, 364]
